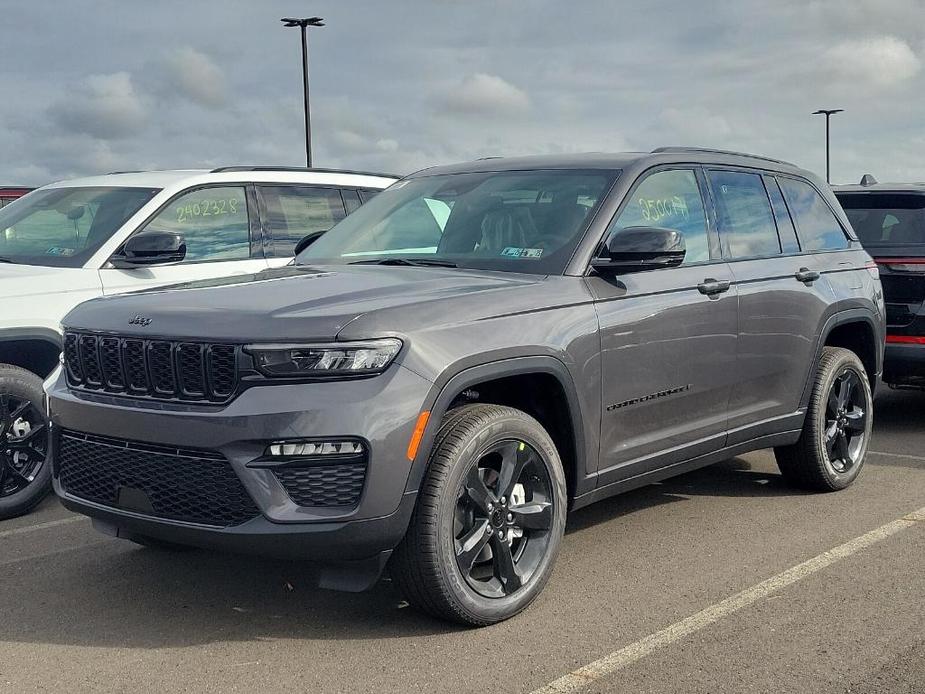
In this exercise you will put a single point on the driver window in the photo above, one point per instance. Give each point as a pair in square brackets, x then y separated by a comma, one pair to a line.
[213, 221]
[669, 199]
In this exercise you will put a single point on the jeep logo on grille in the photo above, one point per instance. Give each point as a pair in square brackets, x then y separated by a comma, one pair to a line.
[140, 320]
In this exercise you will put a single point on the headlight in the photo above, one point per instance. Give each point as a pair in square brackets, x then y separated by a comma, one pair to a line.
[332, 359]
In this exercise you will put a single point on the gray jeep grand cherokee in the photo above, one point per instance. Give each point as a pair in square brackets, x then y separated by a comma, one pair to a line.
[437, 379]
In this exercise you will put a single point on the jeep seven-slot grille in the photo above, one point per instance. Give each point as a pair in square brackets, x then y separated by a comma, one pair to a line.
[162, 369]
[194, 486]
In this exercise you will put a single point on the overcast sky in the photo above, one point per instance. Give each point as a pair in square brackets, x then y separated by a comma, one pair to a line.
[91, 87]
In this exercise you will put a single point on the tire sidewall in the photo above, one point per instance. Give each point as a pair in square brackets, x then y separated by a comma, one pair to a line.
[522, 428]
[24, 384]
[845, 359]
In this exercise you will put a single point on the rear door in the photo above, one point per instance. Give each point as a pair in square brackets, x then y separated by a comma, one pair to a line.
[219, 225]
[667, 337]
[782, 301]
[290, 212]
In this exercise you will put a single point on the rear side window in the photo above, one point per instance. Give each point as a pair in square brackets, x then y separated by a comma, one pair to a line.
[293, 212]
[672, 200]
[785, 228]
[351, 199]
[746, 223]
[817, 225]
[367, 194]
[884, 219]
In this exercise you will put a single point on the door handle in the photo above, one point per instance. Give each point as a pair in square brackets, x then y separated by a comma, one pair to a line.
[712, 287]
[806, 276]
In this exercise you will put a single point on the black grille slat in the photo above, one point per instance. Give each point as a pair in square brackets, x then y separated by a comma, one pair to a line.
[136, 372]
[72, 358]
[223, 370]
[190, 369]
[192, 486]
[162, 369]
[110, 355]
[90, 360]
[337, 484]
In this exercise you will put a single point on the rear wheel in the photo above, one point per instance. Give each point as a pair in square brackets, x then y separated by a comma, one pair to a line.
[832, 448]
[489, 519]
[25, 474]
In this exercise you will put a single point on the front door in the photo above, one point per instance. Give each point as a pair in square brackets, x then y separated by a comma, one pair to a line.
[216, 223]
[668, 338]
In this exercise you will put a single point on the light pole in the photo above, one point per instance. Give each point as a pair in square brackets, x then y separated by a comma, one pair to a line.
[303, 24]
[828, 114]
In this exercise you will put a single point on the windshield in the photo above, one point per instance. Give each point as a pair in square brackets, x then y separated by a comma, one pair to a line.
[517, 221]
[63, 227]
[890, 219]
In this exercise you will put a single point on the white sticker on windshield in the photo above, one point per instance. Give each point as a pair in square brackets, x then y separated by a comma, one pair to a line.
[513, 252]
[57, 250]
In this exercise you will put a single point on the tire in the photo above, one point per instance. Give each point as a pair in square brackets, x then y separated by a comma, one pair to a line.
[25, 472]
[819, 460]
[487, 449]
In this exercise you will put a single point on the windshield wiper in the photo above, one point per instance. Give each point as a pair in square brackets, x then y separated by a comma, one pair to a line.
[6, 260]
[417, 262]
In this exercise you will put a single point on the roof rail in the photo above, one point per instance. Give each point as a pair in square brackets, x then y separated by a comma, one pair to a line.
[116, 173]
[707, 150]
[868, 180]
[298, 169]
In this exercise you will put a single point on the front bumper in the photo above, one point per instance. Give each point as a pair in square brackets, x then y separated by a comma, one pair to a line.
[381, 411]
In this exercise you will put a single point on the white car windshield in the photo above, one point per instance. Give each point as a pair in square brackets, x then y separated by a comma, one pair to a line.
[63, 227]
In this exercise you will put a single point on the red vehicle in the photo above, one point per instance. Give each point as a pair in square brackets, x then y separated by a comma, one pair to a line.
[10, 193]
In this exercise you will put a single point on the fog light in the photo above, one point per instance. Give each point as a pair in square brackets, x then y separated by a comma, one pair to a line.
[290, 449]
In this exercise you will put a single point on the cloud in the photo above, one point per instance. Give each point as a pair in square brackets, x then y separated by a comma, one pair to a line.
[486, 94]
[879, 61]
[196, 77]
[103, 106]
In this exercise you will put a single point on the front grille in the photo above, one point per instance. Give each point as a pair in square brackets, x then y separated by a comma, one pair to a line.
[338, 484]
[185, 485]
[163, 369]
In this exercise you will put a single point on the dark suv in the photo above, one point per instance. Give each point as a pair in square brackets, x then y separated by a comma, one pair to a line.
[889, 219]
[439, 377]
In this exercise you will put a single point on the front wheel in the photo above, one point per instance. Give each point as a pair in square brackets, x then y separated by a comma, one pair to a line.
[836, 432]
[489, 518]
[25, 475]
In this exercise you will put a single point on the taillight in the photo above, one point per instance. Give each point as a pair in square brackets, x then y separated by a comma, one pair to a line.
[903, 264]
[905, 339]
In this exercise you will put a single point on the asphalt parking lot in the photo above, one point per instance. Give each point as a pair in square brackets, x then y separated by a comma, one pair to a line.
[665, 589]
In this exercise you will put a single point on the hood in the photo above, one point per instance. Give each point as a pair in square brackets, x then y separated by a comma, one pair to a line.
[295, 303]
[35, 280]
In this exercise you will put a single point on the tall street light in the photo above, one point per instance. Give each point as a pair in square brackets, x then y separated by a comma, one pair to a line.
[828, 114]
[303, 24]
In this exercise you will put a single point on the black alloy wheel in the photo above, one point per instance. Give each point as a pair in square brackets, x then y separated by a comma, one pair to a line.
[489, 517]
[23, 443]
[504, 514]
[830, 452]
[846, 420]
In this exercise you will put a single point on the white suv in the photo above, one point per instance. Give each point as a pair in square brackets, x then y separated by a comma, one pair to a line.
[71, 241]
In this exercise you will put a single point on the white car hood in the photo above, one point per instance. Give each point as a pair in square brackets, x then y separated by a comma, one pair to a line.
[35, 280]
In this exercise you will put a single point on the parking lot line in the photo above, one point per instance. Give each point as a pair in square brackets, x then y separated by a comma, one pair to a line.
[42, 526]
[612, 663]
[898, 455]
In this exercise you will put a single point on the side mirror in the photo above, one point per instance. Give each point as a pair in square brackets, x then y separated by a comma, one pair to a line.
[634, 249]
[307, 241]
[150, 248]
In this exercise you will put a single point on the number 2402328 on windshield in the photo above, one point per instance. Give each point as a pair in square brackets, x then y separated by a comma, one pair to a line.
[207, 208]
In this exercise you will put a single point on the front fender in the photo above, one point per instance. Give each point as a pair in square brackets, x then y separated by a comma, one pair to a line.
[450, 385]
